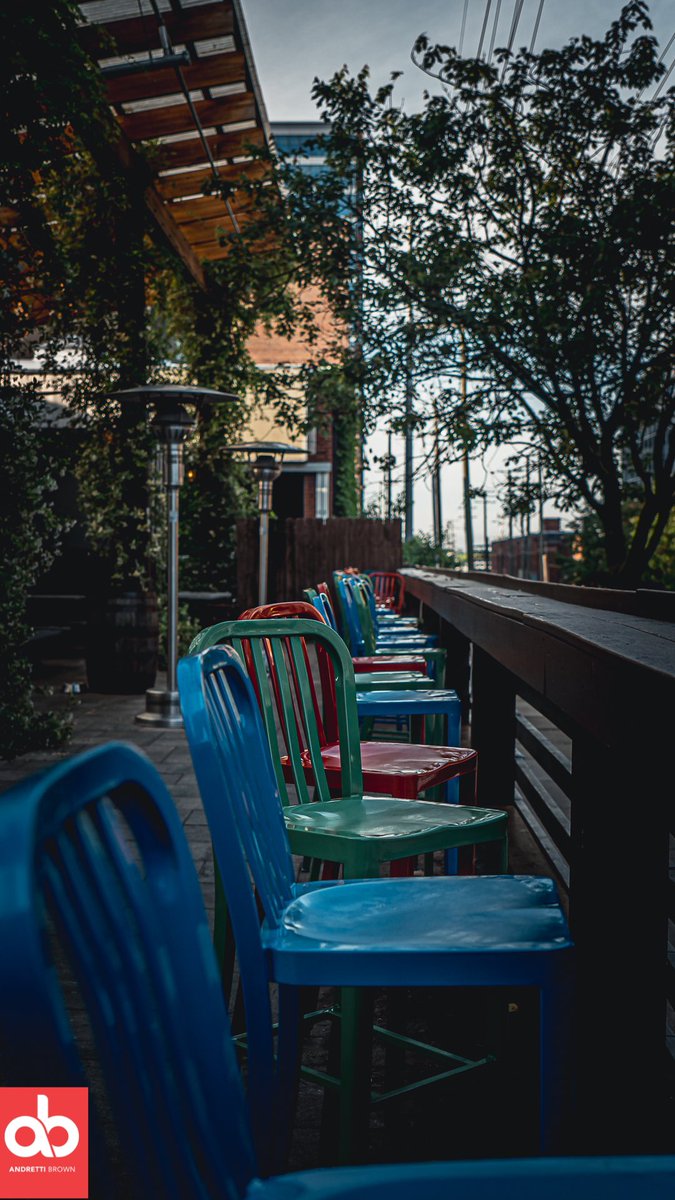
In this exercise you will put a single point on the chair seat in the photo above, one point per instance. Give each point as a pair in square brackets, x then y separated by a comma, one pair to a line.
[388, 620]
[389, 643]
[418, 825]
[370, 681]
[424, 932]
[424, 701]
[394, 662]
[394, 768]
[587, 1178]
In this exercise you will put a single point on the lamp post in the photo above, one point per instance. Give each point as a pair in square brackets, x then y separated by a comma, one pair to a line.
[171, 425]
[265, 460]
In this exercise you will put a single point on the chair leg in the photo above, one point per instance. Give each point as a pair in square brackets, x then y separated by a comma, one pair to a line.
[287, 1073]
[556, 1064]
[223, 936]
[401, 867]
[355, 1066]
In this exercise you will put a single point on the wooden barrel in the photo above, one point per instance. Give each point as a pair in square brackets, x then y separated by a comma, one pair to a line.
[121, 643]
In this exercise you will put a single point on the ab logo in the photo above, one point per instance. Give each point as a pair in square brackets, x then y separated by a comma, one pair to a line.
[41, 1128]
[43, 1143]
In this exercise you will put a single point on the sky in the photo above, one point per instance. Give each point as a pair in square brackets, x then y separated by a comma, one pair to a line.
[294, 41]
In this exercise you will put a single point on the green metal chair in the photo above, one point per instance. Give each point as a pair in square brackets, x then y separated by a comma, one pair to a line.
[359, 832]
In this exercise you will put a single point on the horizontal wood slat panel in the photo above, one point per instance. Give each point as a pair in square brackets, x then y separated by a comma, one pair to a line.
[133, 35]
[190, 182]
[161, 122]
[545, 753]
[200, 232]
[214, 71]
[213, 251]
[189, 211]
[544, 808]
[222, 145]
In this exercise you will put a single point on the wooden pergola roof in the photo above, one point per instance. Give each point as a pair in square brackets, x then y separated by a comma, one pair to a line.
[203, 117]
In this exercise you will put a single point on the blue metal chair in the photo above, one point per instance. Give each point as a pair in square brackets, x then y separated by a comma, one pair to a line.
[95, 872]
[353, 595]
[389, 628]
[137, 940]
[489, 931]
[371, 680]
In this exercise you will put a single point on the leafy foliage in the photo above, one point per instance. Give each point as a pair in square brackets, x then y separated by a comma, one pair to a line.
[422, 551]
[46, 81]
[85, 281]
[517, 232]
[29, 539]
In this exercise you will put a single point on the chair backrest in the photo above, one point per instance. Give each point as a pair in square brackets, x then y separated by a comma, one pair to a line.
[323, 606]
[363, 585]
[360, 601]
[297, 721]
[389, 588]
[353, 625]
[328, 608]
[108, 977]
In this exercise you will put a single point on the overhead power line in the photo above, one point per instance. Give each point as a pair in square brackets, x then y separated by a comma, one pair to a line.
[488, 6]
[664, 78]
[517, 10]
[535, 31]
[461, 36]
[494, 30]
[660, 60]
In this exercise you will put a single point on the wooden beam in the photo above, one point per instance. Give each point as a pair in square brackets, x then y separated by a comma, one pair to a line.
[222, 145]
[162, 215]
[133, 35]
[186, 212]
[162, 122]
[213, 251]
[201, 232]
[122, 154]
[190, 182]
[213, 71]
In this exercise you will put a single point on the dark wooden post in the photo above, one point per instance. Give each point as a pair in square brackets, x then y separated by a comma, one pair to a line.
[618, 916]
[493, 729]
[457, 664]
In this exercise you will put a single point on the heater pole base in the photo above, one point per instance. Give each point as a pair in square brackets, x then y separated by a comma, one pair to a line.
[162, 710]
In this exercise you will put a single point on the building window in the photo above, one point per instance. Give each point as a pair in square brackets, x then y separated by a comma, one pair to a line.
[321, 495]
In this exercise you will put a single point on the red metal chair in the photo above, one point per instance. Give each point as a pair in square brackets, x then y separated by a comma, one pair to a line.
[400, 769]
[389, 588]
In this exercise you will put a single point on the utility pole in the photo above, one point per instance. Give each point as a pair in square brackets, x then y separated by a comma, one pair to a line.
[357, 338]
[390, 462]
[409, 530]
[486, 543]
[436, 488]
[543, 571]
[468, 526]
[510, 502]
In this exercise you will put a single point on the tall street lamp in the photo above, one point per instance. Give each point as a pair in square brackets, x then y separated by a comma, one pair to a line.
[171, 425]
[265, 460]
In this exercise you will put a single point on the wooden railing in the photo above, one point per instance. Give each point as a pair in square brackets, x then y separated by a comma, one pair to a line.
[571, 706]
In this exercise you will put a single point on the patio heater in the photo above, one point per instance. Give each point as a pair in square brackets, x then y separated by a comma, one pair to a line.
[265, 460]
[171, 424]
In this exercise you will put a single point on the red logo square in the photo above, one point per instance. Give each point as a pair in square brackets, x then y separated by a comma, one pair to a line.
[44, 1143]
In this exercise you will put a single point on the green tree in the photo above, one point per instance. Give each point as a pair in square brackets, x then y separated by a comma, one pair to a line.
[45, 82]
[518, 229]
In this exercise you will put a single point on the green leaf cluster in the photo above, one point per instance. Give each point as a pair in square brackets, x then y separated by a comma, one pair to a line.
[510, 248]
